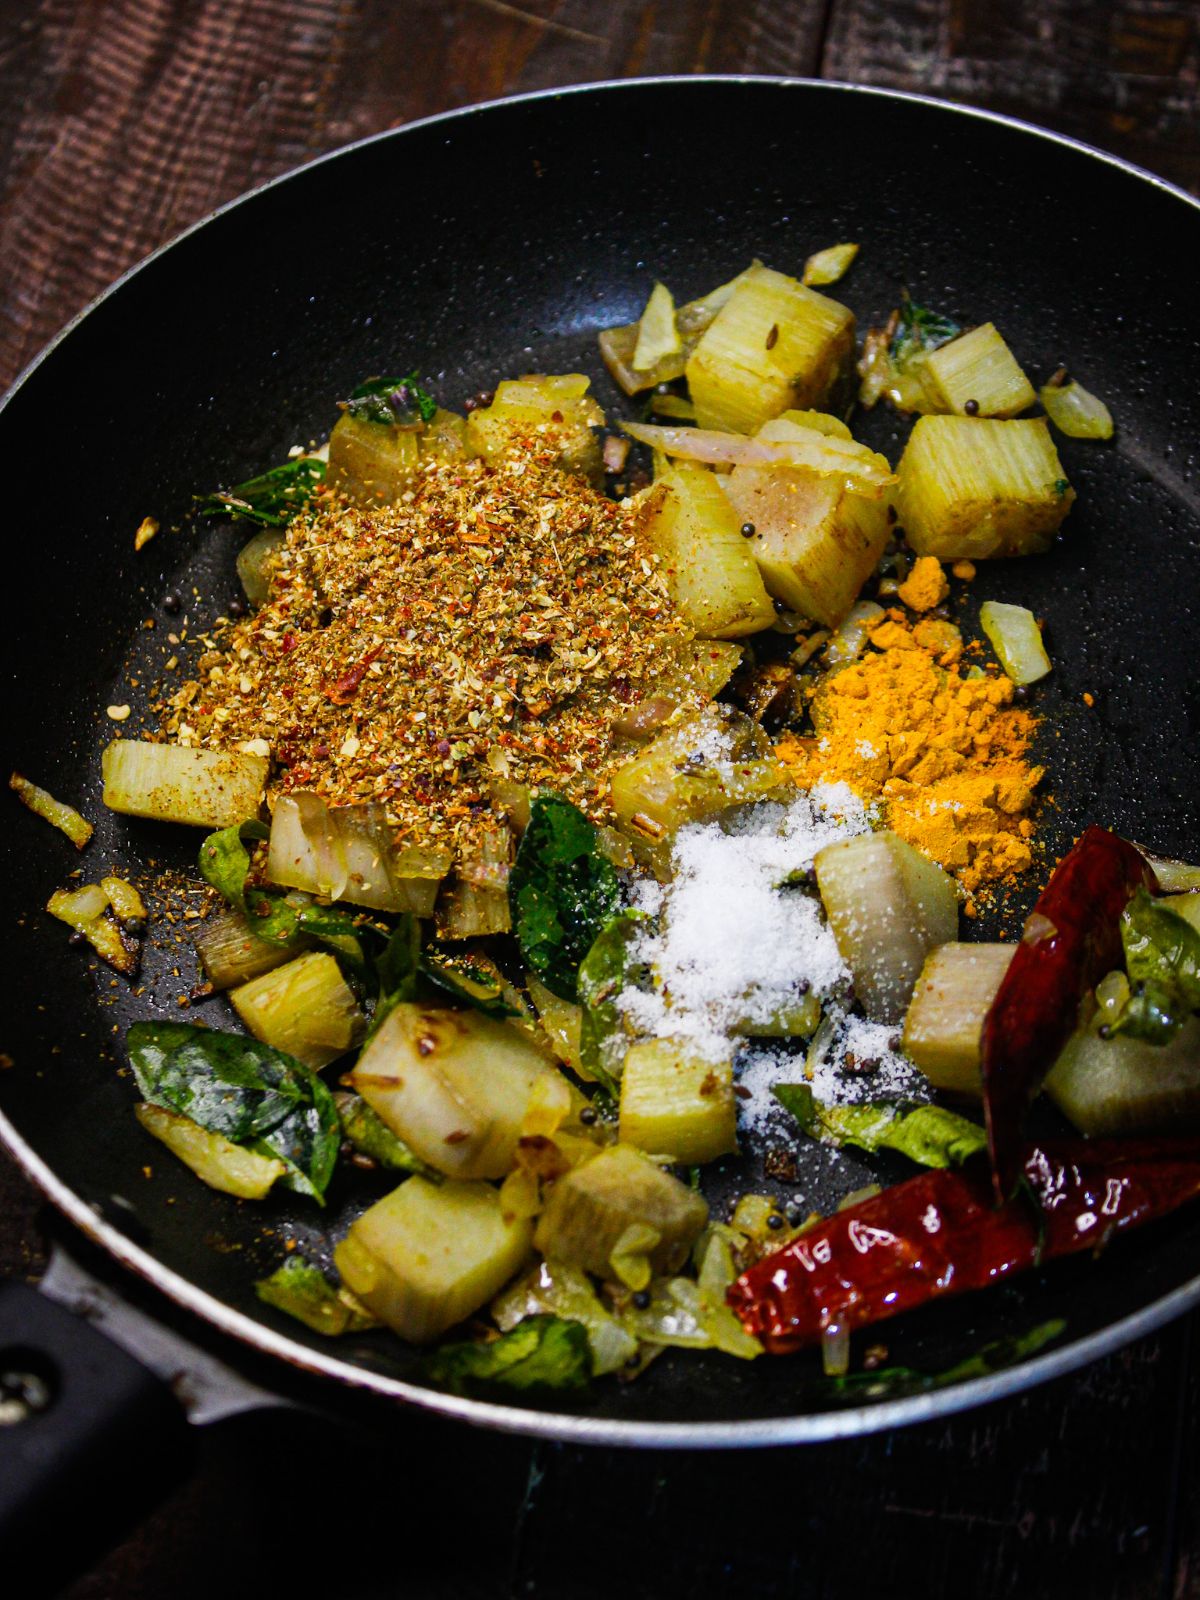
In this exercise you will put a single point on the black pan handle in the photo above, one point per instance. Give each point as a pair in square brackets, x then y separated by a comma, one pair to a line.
[90, 1440]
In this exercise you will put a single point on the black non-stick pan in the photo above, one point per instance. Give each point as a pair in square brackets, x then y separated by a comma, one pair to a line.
[496, 241]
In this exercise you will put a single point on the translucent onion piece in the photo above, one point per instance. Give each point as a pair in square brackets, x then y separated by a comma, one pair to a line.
[1016, 639]
[847, 643]
[43, 804]
[213, 1158]
[170, 783]
[128, 905]
[822, 453]
[86, 911]
[828, 265]
[1075, 412]
[255, 563]
[658, 337]
[835, 1350]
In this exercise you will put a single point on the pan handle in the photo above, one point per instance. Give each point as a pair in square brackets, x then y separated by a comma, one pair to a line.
[90, 1440]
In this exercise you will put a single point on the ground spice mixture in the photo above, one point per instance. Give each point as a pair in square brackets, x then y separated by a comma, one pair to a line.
[942, 751]
[491, 624]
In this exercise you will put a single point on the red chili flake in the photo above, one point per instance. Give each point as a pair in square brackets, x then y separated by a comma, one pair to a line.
[288, 642]
[346, 687]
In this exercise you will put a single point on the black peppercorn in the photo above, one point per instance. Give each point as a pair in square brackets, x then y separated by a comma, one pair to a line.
[588, 1115]
[971, 407]
[172, 604]
[774, 1221]
[641, 1299]
[748, 530]
[237, 608]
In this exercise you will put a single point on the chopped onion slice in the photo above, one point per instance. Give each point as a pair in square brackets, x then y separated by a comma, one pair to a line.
[1016, 639]
[863, 470]
[827, 266]
[60, 815]
[835, 1349]
[658, 337]
[1076, 412]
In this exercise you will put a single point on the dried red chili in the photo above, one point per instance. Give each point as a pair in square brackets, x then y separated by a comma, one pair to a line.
[938, 1234]
[1071, 939]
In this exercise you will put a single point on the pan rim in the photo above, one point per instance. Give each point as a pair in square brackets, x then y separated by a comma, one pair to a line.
[819, 1427]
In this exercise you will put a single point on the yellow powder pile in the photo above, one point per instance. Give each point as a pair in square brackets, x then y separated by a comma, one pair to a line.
[944, 753]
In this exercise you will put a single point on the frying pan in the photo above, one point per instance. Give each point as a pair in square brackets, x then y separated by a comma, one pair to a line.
[479, 245]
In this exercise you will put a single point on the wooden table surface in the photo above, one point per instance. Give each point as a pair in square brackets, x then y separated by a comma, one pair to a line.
[123, 121]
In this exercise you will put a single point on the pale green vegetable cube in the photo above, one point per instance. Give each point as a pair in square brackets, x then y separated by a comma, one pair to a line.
[695, 770]
[944, 1025]
[553, 408]
[305, 1008]
[773, 345]
[231, 952]
[974, 487]
[677, 1104]
[372, 463]
[589, 1211]
[456, 1086]
[1016, 639]
[426, 1256]
[888, 907]
[1123, 1085]
[213, 1158]
[169, 783]
[708, 565]
[816, 541]
[976, 375]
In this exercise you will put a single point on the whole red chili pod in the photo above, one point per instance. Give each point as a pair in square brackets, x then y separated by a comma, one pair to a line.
[938, 1234]
[1071, 939]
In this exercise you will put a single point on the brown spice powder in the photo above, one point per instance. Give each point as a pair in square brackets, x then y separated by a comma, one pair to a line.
[490, 625]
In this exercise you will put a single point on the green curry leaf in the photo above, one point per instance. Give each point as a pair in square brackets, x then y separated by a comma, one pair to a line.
[929, 1135]
[272, 499]
[1162, 957]
[541, 1352]
[562, 891]
[252, 1094]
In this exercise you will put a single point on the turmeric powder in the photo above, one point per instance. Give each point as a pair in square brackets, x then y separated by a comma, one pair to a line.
[943, 753]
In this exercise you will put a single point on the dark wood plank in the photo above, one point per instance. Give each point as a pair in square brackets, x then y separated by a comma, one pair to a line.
[120, 125]
[1064, 1492]
[1124, 76]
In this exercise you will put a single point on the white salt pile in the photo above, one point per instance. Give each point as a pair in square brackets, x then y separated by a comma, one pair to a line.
[735, 944]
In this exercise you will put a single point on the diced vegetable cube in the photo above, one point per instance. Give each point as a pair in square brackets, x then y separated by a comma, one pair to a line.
[944, 1024]
[1016, 639]
[371, 463]
[677, 1104]
[976, 487]
[231, 952]
[426, 1256]
[694, 771]
[617, 345]
[816, 541]
[977, 375]
[214, 1159]
[774, 344]
[557, 409]
[256, 562]
[709, 568]
[888, 906]
[305, 1009]
[456, 1086]
[590, 1210]
[1125, 1085]
[168, 783]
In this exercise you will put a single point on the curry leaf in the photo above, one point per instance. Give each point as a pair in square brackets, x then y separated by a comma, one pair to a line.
[392, 400]
[470, 979]
[929, 1135]
[921, 330]
[541, 1352]
[562, 891]
[252, 1094]
[272, 499]
[603, 973]
[368, 1132]
[396, 970]
[1162, 957]
[993, 1357]
[304, 1292]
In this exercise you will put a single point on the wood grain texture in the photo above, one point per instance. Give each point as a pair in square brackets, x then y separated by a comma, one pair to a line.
[1123, 76]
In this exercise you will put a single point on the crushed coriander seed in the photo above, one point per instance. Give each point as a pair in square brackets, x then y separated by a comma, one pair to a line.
[490, 625]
